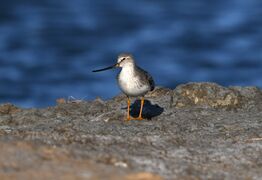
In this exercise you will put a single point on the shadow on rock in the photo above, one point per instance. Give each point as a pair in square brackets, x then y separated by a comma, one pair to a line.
[149, 110]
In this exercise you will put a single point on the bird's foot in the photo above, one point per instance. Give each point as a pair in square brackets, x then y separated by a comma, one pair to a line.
[128, 119]
[138, 118]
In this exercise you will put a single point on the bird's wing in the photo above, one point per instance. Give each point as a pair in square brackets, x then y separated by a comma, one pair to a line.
[147, 77]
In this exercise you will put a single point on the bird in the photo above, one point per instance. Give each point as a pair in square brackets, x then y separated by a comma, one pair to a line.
[132, 80]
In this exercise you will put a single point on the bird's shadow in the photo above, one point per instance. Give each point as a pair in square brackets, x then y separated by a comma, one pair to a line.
[149, 110]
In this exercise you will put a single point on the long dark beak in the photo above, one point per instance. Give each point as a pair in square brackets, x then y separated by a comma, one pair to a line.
[110, 67]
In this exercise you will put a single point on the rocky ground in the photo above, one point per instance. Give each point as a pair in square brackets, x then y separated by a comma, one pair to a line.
[196, 131]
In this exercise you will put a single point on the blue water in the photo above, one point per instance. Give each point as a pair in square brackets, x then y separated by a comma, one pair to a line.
[48, 48]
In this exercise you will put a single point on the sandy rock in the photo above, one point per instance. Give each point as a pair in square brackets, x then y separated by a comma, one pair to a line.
[214, 96]
[196, 131]
[8, 109]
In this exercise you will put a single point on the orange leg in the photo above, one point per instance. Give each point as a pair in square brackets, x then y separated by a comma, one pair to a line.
[128, 109]
[141, 109]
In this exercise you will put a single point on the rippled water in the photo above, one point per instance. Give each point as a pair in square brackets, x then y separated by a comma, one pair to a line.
[48, 48]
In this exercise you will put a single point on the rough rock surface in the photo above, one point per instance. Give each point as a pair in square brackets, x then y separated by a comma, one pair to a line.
[196, 131]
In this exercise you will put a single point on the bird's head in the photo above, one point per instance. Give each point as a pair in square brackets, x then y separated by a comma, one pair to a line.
[124, 60]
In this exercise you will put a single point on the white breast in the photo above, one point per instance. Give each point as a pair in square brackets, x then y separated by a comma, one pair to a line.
[130, 83]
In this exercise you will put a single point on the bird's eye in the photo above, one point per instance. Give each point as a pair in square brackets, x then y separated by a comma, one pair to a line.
[123, 58]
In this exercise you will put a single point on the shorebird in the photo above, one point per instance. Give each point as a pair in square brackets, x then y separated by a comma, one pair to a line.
[132, 80]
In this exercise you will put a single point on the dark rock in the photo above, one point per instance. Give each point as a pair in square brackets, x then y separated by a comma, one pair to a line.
[197, 131]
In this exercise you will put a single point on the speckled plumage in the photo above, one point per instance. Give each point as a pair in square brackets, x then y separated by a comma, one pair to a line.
[134, 81]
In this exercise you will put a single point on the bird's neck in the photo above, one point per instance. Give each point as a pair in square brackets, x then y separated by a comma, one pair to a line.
[128, 70]
[129, 67]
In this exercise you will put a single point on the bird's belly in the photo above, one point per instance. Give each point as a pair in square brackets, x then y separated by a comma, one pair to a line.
[132, 87]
